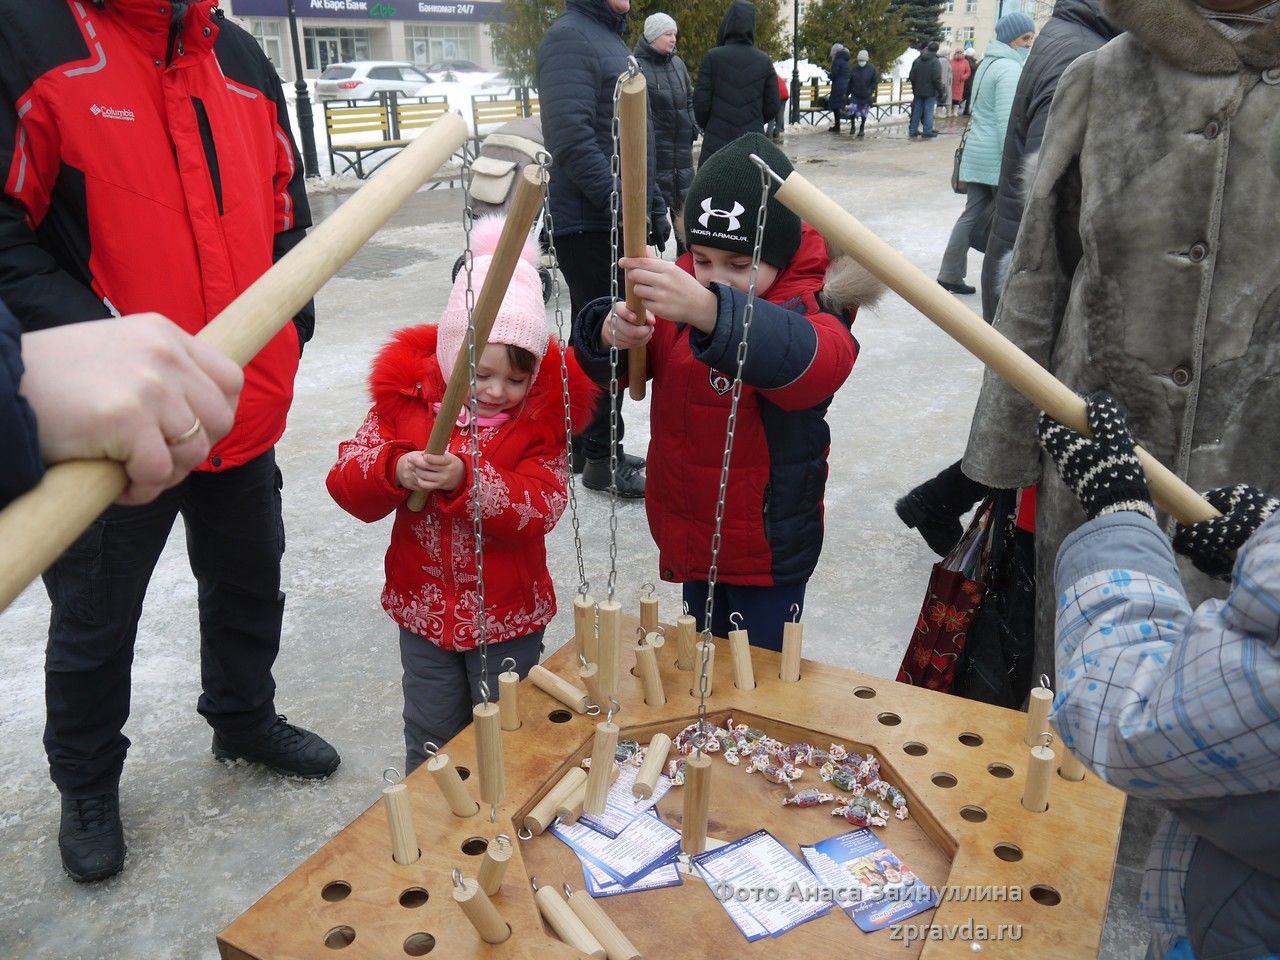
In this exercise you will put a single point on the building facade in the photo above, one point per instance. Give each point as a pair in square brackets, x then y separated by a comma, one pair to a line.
[972, 23]
[421, 32]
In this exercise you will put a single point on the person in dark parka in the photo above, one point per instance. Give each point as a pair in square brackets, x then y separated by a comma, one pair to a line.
[839, 95]
[737, 87]
[864, 80]
[671, 107]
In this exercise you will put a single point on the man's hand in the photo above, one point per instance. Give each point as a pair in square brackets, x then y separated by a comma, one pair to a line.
[426, 472]
[621, 330]
[669, 292]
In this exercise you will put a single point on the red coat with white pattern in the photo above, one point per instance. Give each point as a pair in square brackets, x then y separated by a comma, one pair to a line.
[430, 565]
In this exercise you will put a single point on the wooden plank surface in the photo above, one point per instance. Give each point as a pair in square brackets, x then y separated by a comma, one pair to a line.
[965, 823]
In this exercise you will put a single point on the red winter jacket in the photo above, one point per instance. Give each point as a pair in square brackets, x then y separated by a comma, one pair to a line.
[430, 565]
[147, 164]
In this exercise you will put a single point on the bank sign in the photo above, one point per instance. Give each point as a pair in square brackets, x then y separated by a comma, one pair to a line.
[370, 9]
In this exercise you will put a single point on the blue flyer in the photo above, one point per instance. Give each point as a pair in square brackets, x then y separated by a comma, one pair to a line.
[867, 880]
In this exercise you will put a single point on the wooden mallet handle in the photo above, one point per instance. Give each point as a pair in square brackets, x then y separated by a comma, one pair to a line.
[633, 143]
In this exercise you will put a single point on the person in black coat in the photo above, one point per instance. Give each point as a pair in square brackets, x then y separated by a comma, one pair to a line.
[970, 55]
[864, 81]
[839, 95]
[671, 107]
[579, 61]
[737, 87]
[926, 90]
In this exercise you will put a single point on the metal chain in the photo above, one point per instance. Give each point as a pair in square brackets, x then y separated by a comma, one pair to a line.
[544, 163]
[477, 525]
[713, 571]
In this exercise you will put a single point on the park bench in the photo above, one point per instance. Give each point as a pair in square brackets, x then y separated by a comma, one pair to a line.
[378, 126]
[495, 109]
[813, 107]
[886, 104]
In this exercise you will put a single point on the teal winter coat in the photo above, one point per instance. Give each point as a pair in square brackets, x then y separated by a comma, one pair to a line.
[993, 90]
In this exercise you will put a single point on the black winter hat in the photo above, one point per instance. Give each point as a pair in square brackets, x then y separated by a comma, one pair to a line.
[720, 208]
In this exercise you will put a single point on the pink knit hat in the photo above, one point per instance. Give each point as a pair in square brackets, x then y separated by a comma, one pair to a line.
[522, 318]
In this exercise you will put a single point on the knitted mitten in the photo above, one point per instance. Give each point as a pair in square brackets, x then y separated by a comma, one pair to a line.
[1102, 469]
[1211, 544]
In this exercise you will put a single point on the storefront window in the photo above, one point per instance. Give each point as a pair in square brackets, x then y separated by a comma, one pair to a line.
[326, 45]
[268, 36]
[426, 44]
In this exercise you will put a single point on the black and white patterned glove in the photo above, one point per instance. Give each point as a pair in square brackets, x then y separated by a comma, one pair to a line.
[1211, 544]
[1102, 469]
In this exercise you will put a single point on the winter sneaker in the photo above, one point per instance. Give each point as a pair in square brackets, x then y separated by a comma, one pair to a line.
[91, 837]
[961, 288]
[595, 476]
[940, 530]
[281, 747]
[578, 460]
[930, 134]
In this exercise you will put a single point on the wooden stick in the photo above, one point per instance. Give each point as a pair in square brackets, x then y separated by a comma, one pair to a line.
[525, 203]
[792, 641]
[633, 142]
[544, 811]
[655, 758]
[445, 774]
[570, 808]
[484, 916]
[686, 637]
[38, 526]
[986, 343]
[590, 677]
[1071, 768]
[493, 775]
[696, 690]
[744, 676]
[697, 802]
[649, 614]
[1035, 795]
[566, 924]
[509, 699]
[558, 687]
[1038, 704]
[602, 766]
[584, 626]
[650, 675]
[615, 942]
[610, 652]
[494, 865]
[404, 840]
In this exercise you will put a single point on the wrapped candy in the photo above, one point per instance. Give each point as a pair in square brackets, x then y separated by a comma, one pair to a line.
[837, 752]
[842, 778]
[809, 797]
[626, 750]
[862, 812]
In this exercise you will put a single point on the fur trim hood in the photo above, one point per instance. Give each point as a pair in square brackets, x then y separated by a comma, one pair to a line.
[1177, 31]
[844, 284]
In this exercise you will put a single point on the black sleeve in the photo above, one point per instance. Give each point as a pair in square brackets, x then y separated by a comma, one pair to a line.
[569, 76]
[702, 93]
[19, 443]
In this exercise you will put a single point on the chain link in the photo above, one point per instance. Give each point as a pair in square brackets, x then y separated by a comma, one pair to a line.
[713, 571]
[544, 163]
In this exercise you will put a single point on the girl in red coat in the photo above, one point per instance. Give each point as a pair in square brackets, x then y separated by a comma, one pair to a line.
[431, 589]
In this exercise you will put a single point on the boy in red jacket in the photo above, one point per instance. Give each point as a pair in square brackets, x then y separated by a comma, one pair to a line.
[800, 352]
[431, 589]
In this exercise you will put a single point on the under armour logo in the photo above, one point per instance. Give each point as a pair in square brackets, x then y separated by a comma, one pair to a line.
[730, 215]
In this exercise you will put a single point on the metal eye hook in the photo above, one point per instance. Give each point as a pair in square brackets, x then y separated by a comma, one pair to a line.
[521, 833]
[584, 589]
[640, 632]
[430, 748]
[582, 660]
[568, 890]
[508, 664]
[484, 690]
[1046, 739]
[533, 882]
[1044, 681]
[735, 618]
[649, 589]
[493, 813]
[633, 67]
[392, 770]
[795, 613]
[502, 840]
[614, 707]
[684, 605]
[456, 876]
[593, 710]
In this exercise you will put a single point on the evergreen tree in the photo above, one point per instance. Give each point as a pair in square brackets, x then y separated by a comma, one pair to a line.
[876, 26]
[923, 25]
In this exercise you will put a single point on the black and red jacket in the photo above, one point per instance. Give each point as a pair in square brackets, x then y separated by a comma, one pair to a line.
[147, 165]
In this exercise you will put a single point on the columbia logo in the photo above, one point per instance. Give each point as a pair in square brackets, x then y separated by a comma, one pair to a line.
[111, 113]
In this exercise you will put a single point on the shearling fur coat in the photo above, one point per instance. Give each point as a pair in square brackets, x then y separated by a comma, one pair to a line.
[1148, 265]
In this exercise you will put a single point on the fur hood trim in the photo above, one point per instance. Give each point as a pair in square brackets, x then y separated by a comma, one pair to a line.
[1177, 31]
[849, 285]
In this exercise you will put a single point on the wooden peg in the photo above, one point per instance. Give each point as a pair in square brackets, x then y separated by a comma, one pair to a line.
[615, 942]
[446, 777]
[697, 802]
[570, 808]
[509, 699]
[584, 625]
[649, 612]
[544, 811]
[1038, 704]
[475, 903]
[565, 922]
[1035, 795]
[650, 676]
[696, 691]
[792, 640]
[1071, 768]
[494, 865]
[558, 687]
[493, 775]
[610, 652]
[602, 765]
[590, 677]
[686, 637]
[404, 840]
[633, 125]
[744, 677]
[655, 758]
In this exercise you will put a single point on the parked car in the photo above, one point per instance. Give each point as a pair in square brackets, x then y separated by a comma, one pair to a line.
[362, 79]
[456, 66]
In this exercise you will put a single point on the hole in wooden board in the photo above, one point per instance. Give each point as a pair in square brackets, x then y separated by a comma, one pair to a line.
[1001, 770]
[944, 779]
[864, 693]
[474, 846]
[419, 944]
[970, 739]
[972, 813]
[1009, 852]
[559, 716]
[914, 749]
[414, 897]
[889, 719]
[335, 891]
[339, 938]
[463, 773]
[1045, 895]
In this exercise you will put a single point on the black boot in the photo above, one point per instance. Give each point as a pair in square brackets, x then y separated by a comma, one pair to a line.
[862, 128]
[595, 476]
[91, 837]
[935, 507]
[281, 747]
[578, 458]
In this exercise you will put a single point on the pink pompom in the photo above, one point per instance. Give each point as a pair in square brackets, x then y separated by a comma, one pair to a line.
[487, 230]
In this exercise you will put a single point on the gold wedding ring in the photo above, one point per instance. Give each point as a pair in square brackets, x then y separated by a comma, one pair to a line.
[188, 434]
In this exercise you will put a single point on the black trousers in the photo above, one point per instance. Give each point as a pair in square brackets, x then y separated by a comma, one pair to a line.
[585, 262]
[235, 539]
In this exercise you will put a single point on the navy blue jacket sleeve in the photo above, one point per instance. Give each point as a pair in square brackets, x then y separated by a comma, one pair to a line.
[19, 445]
[593, 360]
[568, 78]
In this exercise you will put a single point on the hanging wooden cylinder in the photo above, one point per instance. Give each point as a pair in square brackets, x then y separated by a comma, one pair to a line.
[509, 699]
[493, 776]
[649, 612]
[494, 865]
[602, 765]
[650, 675]
[615, 942]
[744, 677]
[655, 759]
[455, 793]
[544, 811]
[479, 909]
[686, 637]
[696, 690]
[589, 674]
[1038, 704]
[565, 923]
[610, 652]
[792, 640]
[584, 625]
[697, 802]
[404, 839]
[633, 126]
[1035, 795]
[558, 687]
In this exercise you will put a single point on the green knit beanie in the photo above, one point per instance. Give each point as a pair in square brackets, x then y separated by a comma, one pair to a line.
[720, 207]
